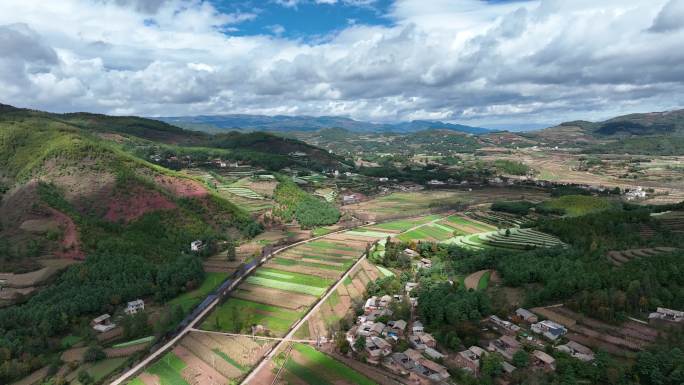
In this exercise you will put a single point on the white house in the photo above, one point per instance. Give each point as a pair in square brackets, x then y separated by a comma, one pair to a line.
[133, 307]
[196, 245]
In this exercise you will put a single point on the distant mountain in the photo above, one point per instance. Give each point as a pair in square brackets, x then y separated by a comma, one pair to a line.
[283, 123]
[652, 123]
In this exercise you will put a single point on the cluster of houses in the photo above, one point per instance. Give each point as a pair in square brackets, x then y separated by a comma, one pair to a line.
[103, 323]
[514, 339]
[418, 363]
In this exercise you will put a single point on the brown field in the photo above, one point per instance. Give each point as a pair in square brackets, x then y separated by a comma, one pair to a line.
[38, 277]
[473, 279]
[205, 353]
[618, 258]
[331, 274]
[197, 372]
[274, 297]
[244, 350]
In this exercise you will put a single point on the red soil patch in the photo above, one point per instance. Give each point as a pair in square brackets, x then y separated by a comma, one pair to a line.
[70, 243]
[135, 204]
[181, 187]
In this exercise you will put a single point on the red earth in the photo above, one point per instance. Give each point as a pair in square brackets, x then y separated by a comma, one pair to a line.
[186, 188]
[134, 205]
[70, 243]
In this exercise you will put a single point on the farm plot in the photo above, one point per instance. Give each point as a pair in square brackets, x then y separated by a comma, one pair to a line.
[467, 225]
[497, 219]
[236, 316]
[167, 371]
[404, 224]
[290, 281]
[517, 239]
[239, 352]
[430, 232]
[673, 221]
[618, 258]
[306, 365]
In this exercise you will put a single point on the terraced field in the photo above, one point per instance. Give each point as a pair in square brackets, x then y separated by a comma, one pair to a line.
[518, 239]
[497, 219]
[618, 258]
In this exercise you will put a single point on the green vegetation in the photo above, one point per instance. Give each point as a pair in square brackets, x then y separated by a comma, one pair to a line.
[577, 205]
[322, 361]
[309, 211]
[188, 300]
[511, 167]
[483, 284]
[169, 370]
[236, 315]
[405, 224]
[139, 341]
[229, 360]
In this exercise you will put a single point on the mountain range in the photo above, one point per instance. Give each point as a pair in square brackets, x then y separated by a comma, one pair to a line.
[282, 123]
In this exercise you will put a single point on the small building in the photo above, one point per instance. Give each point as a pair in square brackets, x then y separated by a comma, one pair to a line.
[577, 350]
[417, 327]
[411, 253]
[469, 359]
[103, 323]
[543, 361]
[397, 327]
[508, 368]
[507, 346]
[416, 343]
[424, 263]
[668, 315]
[507, 327]
[410, 286]
[527, 315]
[394, 364]
[428, 340]
[350, 198]
[196, 245]
[133, 307]
[385, 347]
[433, 354]
[549, 329]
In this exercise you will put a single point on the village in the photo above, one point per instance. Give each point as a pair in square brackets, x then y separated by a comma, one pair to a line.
[403, 347]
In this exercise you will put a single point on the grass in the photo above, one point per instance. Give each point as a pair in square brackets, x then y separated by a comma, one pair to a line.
[320, 231]
[405, 224]
[484, 281]
[292, 262]
[332, 366]
[459, 220]
[190, 299]
[136, 381]
[578, 205]
[105, 367]
[70, 341]
[275, 318]
[134, 342]
[307, 375]
[168, 370]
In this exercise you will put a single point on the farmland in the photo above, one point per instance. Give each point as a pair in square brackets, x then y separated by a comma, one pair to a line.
[275, 296]
[188, 300]
[309, 366]
[512, 239]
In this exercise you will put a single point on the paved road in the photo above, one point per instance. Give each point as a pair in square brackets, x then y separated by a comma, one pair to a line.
[290, 335]
[191, 325]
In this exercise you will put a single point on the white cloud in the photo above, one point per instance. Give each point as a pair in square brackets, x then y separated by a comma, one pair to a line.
[536, 61]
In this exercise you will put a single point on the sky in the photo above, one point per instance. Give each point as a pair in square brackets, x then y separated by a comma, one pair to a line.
[500, 64]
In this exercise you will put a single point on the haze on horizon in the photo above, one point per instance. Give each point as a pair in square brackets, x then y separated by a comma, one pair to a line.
[485, 63]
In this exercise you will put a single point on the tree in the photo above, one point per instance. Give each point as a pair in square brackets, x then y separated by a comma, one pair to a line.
[230, 252]
[521, 359]
[360, 344]
[94, 353]
[85, 378]
[492, 365]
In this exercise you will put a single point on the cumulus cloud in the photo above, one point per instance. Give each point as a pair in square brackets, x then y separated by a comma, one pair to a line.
[670, 18]
[535, 61]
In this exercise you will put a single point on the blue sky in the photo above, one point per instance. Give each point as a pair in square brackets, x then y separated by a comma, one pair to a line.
[306, 19]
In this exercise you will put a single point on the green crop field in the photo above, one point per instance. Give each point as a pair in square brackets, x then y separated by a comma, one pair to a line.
[321, 362]
[134, 342]
[286, 286]
[405, 224]
[188, 300]
[329, 245]
[286, 276]
[275, 318]
[459, 220]
[484, 281]
[169, 369]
